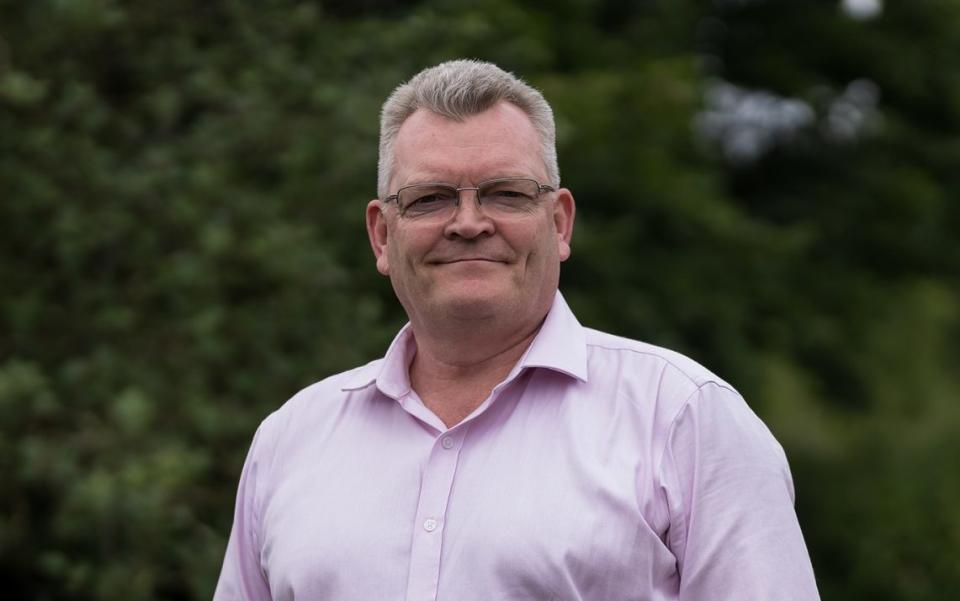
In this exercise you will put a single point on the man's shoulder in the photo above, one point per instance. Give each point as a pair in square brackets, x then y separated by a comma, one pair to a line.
[321, 397]
[338, 385]
[665, 361]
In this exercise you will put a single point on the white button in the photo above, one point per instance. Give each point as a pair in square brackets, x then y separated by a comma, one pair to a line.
[447, 442]
[430, 524]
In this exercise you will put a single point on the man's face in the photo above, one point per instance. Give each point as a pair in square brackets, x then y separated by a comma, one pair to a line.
[472, 266]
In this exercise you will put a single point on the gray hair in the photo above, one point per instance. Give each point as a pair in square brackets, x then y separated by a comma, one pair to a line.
[459, 89]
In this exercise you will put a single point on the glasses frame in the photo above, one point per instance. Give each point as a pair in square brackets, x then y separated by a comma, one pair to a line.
[541, 189]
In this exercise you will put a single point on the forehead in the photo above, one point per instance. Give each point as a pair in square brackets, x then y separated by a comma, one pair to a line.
[498, 142]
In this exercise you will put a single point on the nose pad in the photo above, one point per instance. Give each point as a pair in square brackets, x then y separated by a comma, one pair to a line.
[469, 220]
[476, 199]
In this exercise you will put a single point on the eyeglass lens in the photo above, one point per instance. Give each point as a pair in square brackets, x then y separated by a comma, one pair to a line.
[496, 197]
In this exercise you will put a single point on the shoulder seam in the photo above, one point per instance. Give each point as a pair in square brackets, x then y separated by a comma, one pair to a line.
[698, 383]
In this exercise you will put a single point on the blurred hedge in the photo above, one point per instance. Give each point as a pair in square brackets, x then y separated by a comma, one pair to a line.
[770, 187]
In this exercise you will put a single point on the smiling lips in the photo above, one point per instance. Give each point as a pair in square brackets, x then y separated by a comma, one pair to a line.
[465, 259]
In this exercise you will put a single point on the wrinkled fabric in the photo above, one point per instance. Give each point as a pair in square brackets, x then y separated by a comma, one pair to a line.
[600, 469]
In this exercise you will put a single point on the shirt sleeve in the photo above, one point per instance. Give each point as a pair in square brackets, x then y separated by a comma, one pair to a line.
[242, 577]
[730, 496]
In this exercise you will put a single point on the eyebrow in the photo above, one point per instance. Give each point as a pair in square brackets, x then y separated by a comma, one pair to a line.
[446, 182]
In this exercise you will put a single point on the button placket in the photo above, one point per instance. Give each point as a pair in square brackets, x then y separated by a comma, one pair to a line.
[424, 576]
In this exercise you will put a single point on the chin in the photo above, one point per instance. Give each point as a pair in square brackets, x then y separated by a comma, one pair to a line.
[468, 303]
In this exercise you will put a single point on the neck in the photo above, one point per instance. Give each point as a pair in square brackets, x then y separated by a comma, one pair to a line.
[454, 374]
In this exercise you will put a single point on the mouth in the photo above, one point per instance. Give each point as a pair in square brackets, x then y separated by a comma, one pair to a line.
[467, 260]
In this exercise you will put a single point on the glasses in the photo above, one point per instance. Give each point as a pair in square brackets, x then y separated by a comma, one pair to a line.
[497, 198]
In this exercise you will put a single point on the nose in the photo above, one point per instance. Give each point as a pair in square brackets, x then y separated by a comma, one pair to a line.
[468, 221]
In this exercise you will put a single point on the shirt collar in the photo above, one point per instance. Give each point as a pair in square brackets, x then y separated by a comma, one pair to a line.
[560, 345]
[391, 373]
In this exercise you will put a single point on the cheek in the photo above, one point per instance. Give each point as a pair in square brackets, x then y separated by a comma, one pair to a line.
[404, 251]
[547, 248]
[547, 252]
[396, 256]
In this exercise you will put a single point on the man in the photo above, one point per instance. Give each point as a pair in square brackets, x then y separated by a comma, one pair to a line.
[500, 451]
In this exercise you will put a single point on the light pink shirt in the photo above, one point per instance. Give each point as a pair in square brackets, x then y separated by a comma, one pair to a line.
[600, 469]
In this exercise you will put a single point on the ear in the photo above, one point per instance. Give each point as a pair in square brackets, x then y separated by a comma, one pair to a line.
[377, 232]
[564, 211]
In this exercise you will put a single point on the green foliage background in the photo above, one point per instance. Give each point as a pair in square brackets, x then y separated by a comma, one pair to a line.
[182, 248]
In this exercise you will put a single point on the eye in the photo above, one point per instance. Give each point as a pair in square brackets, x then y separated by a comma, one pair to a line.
[419, 200]
[511, 195]
[434, 198]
